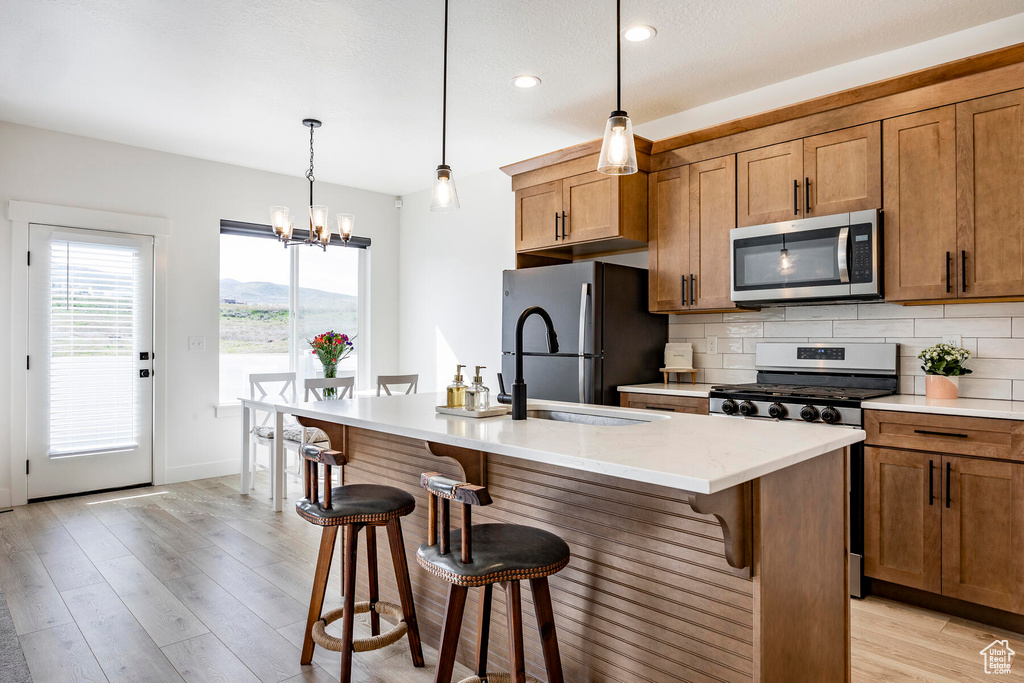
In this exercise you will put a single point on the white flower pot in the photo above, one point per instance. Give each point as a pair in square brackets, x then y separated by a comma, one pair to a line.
[940, 386]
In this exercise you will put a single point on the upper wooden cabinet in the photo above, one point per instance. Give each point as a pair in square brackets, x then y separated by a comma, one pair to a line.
[954, 201]
[831, 173]
[692, 210]
[566, 209]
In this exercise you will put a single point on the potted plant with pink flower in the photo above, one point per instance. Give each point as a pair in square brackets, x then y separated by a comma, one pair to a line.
[943, 364]
[331, 348]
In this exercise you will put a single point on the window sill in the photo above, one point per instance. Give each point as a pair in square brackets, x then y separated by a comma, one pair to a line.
[227, 410]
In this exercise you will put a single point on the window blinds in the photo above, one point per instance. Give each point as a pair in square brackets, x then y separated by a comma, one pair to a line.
[94, 328]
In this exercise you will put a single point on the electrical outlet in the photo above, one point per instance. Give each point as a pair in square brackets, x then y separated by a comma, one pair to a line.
[197, 344]
[712, 345]
[953, 340]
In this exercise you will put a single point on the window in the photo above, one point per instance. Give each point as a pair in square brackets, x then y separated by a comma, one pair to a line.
[272, 299]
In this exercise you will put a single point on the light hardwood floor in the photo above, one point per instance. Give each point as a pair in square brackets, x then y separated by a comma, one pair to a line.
[194, 582]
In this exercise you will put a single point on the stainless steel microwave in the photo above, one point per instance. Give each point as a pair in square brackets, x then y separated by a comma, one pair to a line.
[825, 258]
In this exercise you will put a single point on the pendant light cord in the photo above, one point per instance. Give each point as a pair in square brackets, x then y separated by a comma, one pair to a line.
[618, 55]
[444, 88]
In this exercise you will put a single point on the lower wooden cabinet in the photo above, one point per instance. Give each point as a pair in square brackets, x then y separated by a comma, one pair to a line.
[947, 524]
[675, 404]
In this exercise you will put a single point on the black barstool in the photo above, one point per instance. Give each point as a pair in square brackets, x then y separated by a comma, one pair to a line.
[481, 556]
[355, 507]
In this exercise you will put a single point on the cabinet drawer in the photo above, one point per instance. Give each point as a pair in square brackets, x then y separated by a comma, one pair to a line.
[675, 404]
[980, 437]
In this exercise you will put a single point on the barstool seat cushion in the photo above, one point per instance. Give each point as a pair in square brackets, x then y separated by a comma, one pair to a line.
[501, 552]
[358, 504]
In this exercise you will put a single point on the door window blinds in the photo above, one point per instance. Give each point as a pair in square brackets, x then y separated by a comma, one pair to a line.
[94, 328]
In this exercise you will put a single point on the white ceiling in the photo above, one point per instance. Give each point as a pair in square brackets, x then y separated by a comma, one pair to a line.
[230, 80]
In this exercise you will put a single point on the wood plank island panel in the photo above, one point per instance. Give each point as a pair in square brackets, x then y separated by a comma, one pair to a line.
[647, 596]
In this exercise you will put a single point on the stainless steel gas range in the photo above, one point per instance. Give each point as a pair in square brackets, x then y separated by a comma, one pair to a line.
[822, 383]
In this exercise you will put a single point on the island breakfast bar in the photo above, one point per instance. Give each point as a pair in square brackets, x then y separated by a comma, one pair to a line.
[703, 548]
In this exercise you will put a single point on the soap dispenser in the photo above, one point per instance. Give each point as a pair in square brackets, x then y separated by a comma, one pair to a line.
[457, 390]
[478, 397]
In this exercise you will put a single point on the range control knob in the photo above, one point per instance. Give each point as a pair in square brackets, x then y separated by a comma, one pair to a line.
[777, 411]
[809, 413]
[829, 415]
[729, 406]
[747, 409]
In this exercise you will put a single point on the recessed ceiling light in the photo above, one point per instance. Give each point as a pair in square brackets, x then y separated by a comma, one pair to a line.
[525, 81]
[636, 34]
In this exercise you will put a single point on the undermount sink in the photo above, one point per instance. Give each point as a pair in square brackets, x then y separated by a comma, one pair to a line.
[582, 418]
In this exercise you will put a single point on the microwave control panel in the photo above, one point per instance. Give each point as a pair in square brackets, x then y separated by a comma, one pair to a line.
[862, 260]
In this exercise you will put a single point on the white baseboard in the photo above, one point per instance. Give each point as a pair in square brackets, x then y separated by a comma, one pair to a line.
[203, 470]
[5, 498]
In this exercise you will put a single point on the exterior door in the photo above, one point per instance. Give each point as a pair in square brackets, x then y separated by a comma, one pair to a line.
[712, 217]
[668, 250]
[990, 184]
[843, 171]
[90, 393]
[903, 518]
[591, 203]
[538, 216]
[769, 184]
[983, 532]
[920, 206]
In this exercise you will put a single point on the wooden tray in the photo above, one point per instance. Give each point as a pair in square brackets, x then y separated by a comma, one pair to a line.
[493, 411]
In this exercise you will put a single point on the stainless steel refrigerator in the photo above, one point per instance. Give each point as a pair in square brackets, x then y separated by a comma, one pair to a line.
[606, 336]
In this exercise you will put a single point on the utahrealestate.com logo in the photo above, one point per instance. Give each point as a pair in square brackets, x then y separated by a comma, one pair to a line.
[998, 657]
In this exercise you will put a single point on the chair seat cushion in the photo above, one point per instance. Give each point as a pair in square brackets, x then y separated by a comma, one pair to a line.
[501, 552]
[358, 504]
[292, 433]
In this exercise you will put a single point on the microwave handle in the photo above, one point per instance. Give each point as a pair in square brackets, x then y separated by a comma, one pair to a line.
[842, 256]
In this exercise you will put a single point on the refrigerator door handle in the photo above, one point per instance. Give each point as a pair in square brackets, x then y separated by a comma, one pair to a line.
[584, 295]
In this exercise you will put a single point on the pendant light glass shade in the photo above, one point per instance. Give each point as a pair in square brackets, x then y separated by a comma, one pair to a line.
[443, 197]
[279, 219]
[346, 224]
[618, 151]
[319, 222]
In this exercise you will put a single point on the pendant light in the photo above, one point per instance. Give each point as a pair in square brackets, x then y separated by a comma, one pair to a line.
[443, 197]
[618, 151]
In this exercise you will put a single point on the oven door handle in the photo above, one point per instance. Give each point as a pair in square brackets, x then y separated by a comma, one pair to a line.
[842, 257]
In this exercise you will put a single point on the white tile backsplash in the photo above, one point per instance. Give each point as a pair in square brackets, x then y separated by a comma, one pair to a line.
[993, 333]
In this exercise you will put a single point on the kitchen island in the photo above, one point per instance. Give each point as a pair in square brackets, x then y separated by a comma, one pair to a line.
[703, 548]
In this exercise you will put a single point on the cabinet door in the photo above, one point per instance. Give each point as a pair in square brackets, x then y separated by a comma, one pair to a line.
[712, 217]
[919, 172]
[674, 404]
[668, 251]
[769, 184]
[843, 171]
[591, 203]
[538, 216]
[903, 518]
[983, 532]
[990, 187]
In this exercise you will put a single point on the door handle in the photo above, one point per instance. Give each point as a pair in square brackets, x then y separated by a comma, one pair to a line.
[693, 300]
[929, 432]
[682, 290]
[931, 482]
[584, 295]
[796, 197]
[963, 270]
[949, 258]
[563, 224]
[556, 226]
[669, 410]
[842, 257]
[807, 195]
[948, 470]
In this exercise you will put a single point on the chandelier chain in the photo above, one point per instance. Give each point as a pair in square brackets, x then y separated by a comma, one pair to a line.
[309, 173]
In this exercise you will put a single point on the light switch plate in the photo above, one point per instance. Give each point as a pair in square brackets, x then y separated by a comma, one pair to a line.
[953, 340]
[197, 344]
[712, 345]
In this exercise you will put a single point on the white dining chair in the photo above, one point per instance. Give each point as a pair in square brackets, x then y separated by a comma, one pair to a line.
[345, 386]
[387, 382]
[273, 386]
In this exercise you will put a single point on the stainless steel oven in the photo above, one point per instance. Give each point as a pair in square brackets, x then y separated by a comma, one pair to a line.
[824, 258]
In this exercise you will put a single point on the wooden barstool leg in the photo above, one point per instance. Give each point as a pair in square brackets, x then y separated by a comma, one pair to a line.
[371, 569]
[397, 544]
[516, 656]
[316, 600]
[348, 620]
[546, 626]
[450, 631]
[483, 630]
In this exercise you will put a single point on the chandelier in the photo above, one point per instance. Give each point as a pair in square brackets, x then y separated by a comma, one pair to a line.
[319, 233]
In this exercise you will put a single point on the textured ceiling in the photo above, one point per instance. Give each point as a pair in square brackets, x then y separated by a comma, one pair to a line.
[230, 80]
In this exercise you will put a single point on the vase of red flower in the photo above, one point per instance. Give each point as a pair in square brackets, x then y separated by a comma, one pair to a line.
[331, 348]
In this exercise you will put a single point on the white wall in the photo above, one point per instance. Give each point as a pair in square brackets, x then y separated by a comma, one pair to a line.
[450, 280]
[54, 168]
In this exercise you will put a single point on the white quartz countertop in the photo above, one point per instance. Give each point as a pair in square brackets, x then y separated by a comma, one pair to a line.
[670, 389]
[965, 407]
[697, 453]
